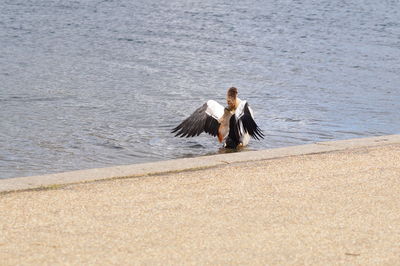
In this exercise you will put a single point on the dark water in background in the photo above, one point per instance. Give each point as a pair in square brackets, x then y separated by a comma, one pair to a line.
[91, 83]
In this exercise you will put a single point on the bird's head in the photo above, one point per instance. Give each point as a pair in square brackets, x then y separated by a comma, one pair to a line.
[231, 96]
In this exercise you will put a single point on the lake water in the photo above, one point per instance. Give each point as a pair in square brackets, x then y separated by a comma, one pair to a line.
[90, 83]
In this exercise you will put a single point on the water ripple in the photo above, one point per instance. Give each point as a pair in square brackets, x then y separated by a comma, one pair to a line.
[97, 83]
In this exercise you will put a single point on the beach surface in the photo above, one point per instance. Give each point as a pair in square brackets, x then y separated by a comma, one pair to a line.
[338, 205]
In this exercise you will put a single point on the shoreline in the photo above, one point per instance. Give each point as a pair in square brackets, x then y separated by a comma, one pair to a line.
[318, 204]
[186, 164]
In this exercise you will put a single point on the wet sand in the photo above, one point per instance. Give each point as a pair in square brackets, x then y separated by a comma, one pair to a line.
[338, 207]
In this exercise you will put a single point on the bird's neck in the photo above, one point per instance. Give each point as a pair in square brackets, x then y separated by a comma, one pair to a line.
[237, 102]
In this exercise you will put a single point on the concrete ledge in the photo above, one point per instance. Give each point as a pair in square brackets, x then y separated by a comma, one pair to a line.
[177, 165]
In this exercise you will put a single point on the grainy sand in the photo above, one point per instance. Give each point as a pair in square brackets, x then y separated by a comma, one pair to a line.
[322, 209]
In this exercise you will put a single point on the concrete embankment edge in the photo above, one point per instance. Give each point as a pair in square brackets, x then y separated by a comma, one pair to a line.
[186, 164]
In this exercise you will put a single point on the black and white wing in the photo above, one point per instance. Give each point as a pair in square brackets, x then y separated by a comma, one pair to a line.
[204, 119]
[244, 122]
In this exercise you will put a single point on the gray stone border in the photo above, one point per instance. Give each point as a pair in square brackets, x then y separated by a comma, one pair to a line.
[178, 165]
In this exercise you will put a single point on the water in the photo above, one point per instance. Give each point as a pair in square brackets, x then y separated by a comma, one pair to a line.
[90, 83]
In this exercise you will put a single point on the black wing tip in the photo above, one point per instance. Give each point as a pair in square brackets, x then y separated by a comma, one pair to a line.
[183, 132]
[178, 130]
[180, 133]
[258, 134]
[174, 130]
[251, 126]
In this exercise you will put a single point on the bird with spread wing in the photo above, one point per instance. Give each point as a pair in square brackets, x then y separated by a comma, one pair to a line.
[233, 125]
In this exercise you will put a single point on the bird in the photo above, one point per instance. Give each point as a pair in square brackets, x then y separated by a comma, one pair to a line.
[232, 125]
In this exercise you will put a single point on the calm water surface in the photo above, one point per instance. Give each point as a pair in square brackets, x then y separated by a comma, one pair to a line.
[92, 83]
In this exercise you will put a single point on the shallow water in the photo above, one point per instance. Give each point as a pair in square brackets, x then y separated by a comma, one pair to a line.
[90, 83]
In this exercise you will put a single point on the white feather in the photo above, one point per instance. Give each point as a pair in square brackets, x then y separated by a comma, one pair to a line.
[245, 139]
[241, 128]
[251, 112]
[239, 110]
[214, 109]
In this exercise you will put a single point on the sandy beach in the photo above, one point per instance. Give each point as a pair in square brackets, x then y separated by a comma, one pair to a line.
[338, 207]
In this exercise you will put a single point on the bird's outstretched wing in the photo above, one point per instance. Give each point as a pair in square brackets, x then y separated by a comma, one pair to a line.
[204, 119]
[243, 122]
